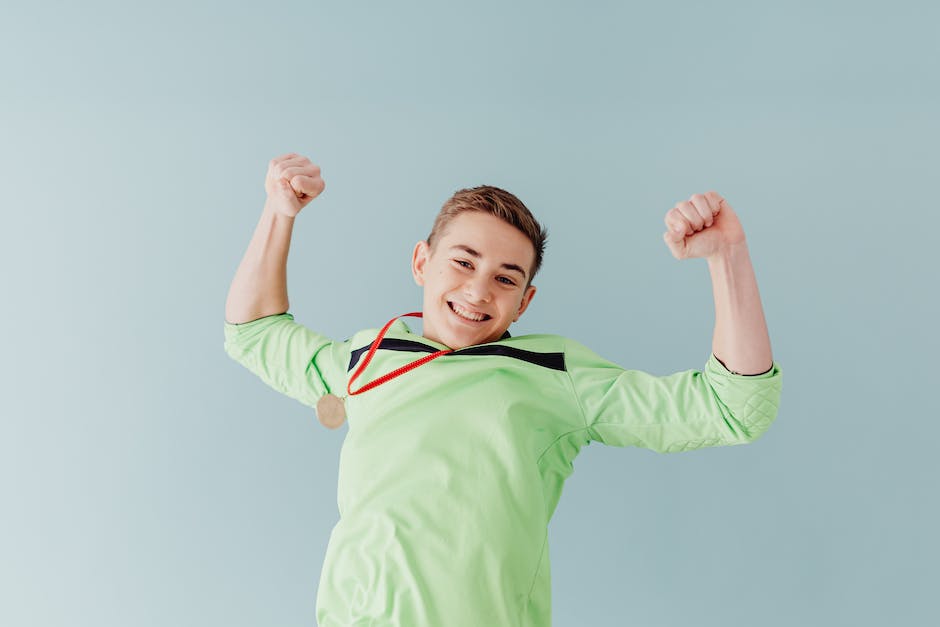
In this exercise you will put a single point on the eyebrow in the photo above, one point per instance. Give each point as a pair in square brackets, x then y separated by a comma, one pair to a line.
[473, 253]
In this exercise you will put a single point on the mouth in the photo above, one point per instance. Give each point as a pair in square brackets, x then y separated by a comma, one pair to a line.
[466, 314]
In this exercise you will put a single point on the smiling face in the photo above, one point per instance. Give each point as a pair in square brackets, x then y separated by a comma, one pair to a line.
[474, 280]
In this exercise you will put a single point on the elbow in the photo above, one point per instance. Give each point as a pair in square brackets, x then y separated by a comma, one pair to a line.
[753, 420]
[753, 431]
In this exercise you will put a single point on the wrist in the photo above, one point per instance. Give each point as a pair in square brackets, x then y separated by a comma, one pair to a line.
[729, 254]
[274, 212]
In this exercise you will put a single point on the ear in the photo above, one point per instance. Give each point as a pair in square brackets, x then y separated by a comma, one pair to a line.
[419, 259]
[526, 299]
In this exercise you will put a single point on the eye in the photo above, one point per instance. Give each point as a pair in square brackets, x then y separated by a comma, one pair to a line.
[505, 280]
[461, 262]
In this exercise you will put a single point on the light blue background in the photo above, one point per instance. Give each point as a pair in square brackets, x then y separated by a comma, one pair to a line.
[149, 480]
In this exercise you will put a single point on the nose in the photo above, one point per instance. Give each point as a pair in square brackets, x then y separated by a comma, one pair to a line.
[477, 289]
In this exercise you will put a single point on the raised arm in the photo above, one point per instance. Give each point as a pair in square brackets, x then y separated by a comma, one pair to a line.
[741, 341]
[707, 226]
[259, 288]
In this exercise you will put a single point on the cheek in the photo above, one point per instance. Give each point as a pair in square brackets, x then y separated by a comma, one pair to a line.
[449, 277]
[512, 305]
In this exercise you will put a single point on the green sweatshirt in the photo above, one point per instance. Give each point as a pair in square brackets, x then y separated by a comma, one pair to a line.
[449, 474]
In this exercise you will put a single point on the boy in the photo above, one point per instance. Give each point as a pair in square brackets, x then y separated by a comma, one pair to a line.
[460, 439]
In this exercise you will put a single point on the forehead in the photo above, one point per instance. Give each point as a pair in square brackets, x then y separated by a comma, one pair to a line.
[489, 235]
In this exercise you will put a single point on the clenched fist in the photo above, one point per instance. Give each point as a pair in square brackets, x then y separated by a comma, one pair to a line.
[702, 226]
[292, 182]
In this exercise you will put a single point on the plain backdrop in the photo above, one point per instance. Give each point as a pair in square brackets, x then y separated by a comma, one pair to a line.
[147, 479]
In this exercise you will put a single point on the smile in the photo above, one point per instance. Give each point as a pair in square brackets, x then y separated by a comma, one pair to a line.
[467, 315]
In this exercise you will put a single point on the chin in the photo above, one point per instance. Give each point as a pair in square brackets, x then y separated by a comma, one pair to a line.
[465, 340]
[457, 341]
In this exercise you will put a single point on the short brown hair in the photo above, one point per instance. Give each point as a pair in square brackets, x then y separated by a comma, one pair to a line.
[497, 202]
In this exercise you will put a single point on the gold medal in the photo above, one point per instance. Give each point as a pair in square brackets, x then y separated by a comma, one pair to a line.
[330, 411]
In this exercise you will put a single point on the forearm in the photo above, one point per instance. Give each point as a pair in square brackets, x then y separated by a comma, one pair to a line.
[741, 340]
[260, 285]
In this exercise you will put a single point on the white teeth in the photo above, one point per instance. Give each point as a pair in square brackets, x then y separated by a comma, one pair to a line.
[463, 313]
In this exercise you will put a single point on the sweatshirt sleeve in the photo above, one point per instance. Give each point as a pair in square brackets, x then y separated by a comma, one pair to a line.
[289, 357]
[677, 412]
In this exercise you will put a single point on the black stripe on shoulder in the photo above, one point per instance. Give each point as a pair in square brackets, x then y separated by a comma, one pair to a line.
[555, 361]
[390, 344]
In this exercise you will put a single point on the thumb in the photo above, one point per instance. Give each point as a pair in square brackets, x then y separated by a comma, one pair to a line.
[674, 234]
[287, 188]
[310, 186]
[674, 241]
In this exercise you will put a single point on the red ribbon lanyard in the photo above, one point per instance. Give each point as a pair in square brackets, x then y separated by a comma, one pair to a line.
[394, 373]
